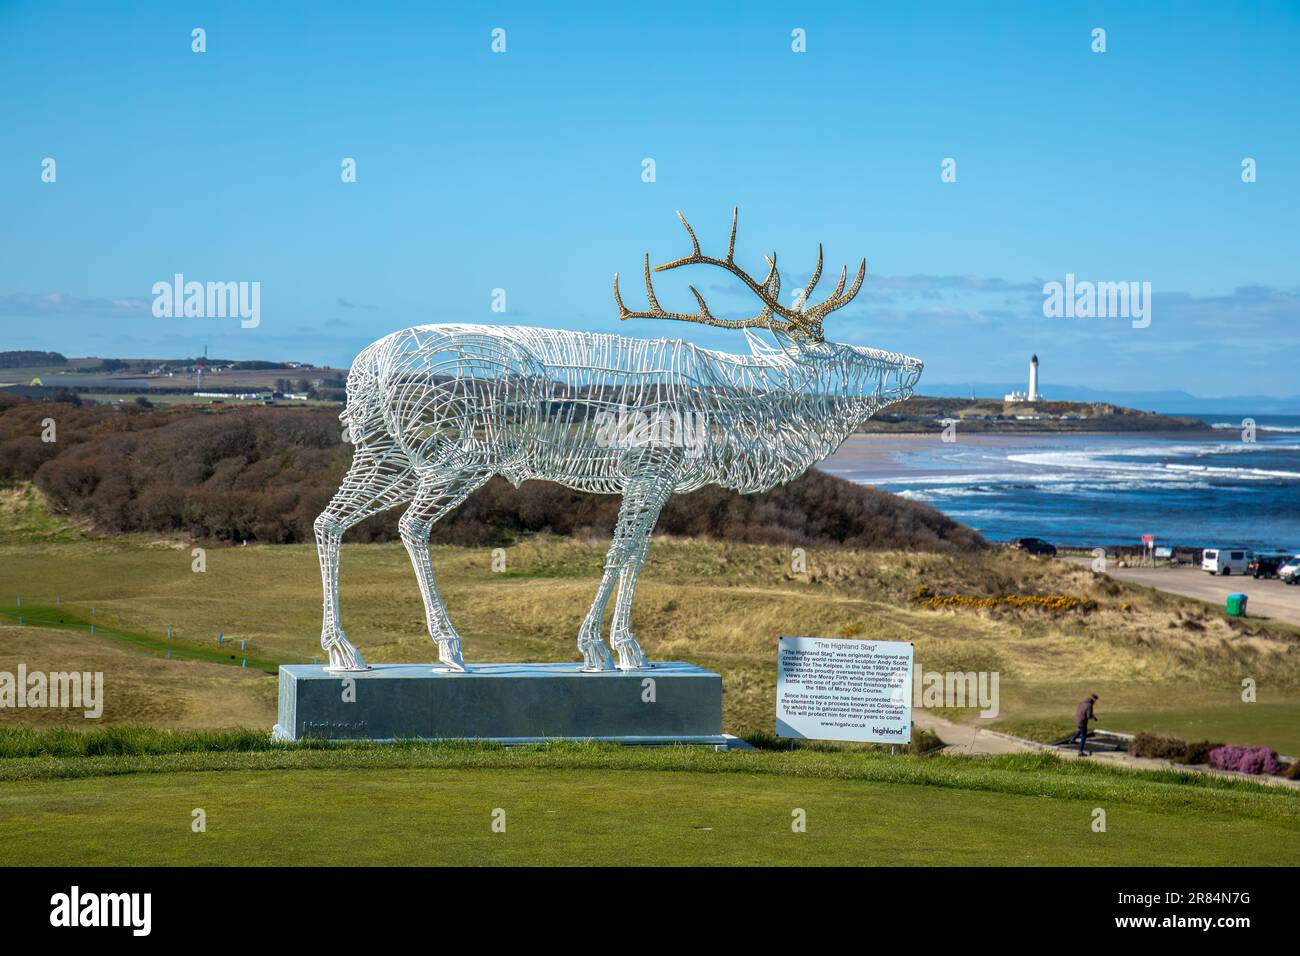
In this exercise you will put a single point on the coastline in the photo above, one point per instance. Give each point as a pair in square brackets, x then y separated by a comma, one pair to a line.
[877, 449]
[1101, 425]
[1092, 489]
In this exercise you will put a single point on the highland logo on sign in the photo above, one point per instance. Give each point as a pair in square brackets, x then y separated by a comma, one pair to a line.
[103, 909]
[212, 300]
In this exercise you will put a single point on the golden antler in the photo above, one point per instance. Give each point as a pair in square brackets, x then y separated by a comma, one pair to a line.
[800, 321]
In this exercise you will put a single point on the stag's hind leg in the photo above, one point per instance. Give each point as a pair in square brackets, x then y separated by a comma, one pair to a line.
[380, 477]
[643, 499]
[630, 655]
[437, 494]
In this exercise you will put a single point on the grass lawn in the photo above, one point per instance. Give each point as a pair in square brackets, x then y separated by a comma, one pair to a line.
[1181, 700]
[592, 804]
[1276, 722]
[22, 376]
[1217, 714]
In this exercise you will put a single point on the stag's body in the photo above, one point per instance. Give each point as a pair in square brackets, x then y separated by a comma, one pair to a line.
[435, 411]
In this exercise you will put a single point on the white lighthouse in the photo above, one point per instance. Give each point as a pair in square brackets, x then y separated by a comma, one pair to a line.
[1032, 395]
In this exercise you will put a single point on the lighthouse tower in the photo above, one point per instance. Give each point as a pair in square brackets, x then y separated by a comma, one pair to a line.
[1033, 380]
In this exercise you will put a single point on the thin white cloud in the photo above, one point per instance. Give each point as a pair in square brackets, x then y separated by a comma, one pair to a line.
[21, 304]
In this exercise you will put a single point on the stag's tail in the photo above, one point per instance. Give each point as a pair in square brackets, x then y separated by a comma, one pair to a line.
[362, 415]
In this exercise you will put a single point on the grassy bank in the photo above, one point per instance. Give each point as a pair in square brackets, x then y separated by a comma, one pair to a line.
[88, 623]
[132, 800]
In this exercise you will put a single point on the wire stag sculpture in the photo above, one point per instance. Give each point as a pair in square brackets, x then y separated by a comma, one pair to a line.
[436, 410]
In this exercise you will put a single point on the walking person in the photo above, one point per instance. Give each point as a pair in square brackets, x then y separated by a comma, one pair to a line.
[1082, 714]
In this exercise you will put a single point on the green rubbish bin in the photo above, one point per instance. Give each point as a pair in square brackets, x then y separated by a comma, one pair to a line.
[1236, 605]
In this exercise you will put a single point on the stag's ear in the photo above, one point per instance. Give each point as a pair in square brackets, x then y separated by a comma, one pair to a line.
[791, 345]
[783, 338]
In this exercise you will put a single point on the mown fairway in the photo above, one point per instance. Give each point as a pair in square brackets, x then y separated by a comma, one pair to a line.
[570, 805]
[1159, 662]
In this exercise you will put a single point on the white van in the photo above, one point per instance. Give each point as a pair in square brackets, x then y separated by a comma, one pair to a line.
[1225, 560]
[1290, 572]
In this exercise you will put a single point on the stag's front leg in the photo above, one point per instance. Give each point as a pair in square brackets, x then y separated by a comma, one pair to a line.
[436, 495]
[341, 653]
[378, 479]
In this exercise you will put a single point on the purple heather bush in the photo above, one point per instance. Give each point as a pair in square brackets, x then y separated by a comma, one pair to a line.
[1245, 759]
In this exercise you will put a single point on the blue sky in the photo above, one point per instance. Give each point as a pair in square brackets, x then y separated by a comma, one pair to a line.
[523, 171]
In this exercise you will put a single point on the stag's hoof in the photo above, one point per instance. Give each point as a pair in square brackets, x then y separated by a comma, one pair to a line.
[449, 653]
[595, 656]
[344, 655]
[630, 655]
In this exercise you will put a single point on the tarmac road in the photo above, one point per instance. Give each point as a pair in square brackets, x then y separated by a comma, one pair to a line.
[1266, 598]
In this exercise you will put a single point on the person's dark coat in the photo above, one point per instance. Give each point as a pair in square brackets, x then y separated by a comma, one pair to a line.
[1083, 713]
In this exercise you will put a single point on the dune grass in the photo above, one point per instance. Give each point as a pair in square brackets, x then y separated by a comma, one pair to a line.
[25, 518]
[1160, 662]
[1160, 659]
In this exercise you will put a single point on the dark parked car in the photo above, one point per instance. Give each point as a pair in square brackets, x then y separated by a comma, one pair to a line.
[1034, 546]
[1266, 565]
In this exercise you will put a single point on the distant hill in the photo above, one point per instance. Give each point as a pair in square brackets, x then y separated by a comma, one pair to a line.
[927, 413]
[1168, 402]
[245, 372]
[31, 359]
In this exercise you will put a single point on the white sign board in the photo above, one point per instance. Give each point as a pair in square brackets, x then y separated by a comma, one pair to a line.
[830, 689]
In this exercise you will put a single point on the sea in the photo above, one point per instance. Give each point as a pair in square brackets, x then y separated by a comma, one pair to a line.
[1189, 489]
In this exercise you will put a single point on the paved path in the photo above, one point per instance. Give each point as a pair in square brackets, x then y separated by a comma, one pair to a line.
[971, 739]
[1267, 598]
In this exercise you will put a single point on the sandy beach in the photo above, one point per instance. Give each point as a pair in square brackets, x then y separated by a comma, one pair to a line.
[1194, 489]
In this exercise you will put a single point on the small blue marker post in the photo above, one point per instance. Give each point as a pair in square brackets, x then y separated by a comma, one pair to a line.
[20, 601]
[169, 653]
[20, 618]
[92, 627]
[245, 664]
[221, 638]
[169, 632]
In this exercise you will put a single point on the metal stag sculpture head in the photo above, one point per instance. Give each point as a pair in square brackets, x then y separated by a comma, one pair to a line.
[801, 323]
[434, 411]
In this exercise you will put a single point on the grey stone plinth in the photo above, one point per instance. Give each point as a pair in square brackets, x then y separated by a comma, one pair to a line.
[511, 703]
